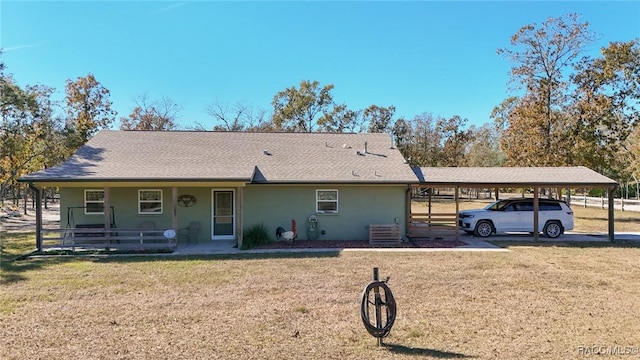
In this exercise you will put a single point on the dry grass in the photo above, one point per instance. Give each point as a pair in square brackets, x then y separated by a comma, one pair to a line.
[533, 302]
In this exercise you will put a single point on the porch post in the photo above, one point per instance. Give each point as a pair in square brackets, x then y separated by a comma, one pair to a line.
[610, 193]
[536, 209]
[107, 217]
[174, 208]
[239, 211]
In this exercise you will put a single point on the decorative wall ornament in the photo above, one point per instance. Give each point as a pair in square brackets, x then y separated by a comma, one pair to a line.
[187, 200]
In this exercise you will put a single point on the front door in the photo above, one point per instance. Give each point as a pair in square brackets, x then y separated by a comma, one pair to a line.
[223, 227]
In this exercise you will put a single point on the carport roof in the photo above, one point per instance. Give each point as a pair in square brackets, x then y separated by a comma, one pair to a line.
[565, 177]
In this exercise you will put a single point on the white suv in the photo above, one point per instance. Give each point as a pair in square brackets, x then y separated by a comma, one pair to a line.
[516, 215]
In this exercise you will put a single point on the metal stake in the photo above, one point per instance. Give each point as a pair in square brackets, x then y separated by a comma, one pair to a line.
[377, 300]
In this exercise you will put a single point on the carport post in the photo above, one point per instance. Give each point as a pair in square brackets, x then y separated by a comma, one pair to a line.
[610, 193]
[536, 209]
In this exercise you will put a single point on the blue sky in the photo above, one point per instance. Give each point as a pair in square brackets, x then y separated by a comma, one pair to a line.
[424, 56]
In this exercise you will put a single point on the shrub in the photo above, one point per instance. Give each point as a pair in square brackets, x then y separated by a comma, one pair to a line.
[254, 236]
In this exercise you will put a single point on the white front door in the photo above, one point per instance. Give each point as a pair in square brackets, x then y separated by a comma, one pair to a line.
[223, 210]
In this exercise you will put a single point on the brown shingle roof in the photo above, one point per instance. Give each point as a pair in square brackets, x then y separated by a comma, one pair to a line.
[575, 176]
[223, 156]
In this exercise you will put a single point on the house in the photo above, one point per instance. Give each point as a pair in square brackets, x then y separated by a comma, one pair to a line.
[333, 185]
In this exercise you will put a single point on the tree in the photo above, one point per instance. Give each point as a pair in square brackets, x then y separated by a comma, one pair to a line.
[341, 120]
[238, 117]
[429, 141]
[454, 140]
[534, 139]
[378, 118]
[30, 137]
[16, 108]
[88, 109]
[634, 152]
[484, 148]
[542, 57]
[152, 115]
[605, 107]
[302, 109]
[403, 137]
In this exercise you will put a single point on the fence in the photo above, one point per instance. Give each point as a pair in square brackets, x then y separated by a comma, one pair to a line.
[603, 203]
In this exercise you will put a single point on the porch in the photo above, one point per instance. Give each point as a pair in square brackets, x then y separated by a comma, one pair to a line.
[100, 238]
[139, 239]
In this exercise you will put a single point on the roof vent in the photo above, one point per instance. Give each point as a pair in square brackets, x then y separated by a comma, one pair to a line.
[266, 152]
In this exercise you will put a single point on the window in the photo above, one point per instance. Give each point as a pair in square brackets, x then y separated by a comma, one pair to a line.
[525, 206]
[550, 206]
[149, 201]
[94, 202]
[327, 201]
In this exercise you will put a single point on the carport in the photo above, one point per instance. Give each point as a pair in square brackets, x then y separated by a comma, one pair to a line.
[537, 178]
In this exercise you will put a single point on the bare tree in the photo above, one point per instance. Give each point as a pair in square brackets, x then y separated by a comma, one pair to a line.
[238, 117]
[152, 115]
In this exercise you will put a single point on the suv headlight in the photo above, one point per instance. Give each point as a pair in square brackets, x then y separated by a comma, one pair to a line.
[466, 216]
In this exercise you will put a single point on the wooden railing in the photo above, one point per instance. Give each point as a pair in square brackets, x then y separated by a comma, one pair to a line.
[433, 225]
[99, 238]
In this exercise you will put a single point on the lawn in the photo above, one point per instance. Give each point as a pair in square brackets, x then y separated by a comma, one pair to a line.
[544, 302]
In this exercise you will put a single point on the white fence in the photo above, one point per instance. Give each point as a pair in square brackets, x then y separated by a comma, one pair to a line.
[603, 203]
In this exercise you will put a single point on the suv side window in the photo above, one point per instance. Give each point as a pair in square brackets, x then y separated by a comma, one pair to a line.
[525, 206]
[550, 206]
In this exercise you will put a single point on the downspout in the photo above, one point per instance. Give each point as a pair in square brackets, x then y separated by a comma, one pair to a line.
[408, 210]
[38, 193]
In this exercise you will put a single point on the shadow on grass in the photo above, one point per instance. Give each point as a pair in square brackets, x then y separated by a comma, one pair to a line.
[405, 350]
[568, 244]
[251, 256]
[13, 268]
[17, 256]
[617, 219]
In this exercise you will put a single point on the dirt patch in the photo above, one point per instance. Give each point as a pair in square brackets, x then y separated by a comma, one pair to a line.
[27, 223]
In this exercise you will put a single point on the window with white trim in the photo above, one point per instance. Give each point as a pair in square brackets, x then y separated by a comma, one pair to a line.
[326, 201]
[149, 201]
[94, 202]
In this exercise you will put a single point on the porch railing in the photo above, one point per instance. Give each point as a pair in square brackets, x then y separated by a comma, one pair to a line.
[99, 238]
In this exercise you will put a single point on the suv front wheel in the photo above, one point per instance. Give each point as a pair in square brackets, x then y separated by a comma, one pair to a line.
[483, 228]
[552, 229]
